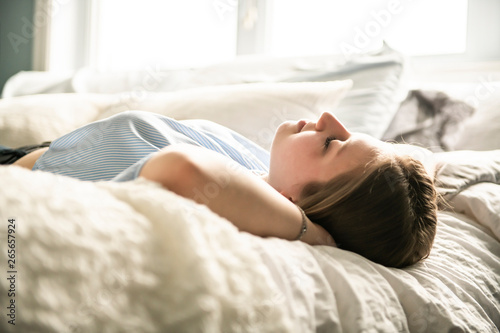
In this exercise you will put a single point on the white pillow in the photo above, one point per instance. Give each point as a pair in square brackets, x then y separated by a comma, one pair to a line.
[482, 130]
[378, 89]
[254, 110]
[34, 119]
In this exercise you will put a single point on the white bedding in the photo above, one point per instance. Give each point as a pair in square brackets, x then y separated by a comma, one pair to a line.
[132, 257]
[115, 257]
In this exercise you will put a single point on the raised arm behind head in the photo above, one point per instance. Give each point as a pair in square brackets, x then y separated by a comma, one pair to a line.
[372, 200]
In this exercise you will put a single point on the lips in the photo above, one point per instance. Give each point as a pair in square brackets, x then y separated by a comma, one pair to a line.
[300, 125]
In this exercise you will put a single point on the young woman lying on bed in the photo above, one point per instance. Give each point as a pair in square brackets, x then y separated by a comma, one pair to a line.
[355, 188]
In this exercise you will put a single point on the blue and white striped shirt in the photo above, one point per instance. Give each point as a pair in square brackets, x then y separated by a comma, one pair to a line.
[117, 147]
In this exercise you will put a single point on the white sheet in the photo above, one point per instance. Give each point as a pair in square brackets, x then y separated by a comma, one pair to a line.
[134, 257]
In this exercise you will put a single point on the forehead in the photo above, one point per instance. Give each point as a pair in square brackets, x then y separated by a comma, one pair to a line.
[357, 152]
[363, 144]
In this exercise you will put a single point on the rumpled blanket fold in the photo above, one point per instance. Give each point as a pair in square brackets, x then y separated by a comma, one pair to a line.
[459, 170]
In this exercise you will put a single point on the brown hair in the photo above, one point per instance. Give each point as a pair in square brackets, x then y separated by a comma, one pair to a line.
[388, 214]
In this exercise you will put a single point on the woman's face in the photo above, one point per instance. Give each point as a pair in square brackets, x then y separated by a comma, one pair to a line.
[305, 151]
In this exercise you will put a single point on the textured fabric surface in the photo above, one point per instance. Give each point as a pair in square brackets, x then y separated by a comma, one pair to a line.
[98, 257]
[33, 119]
[462, 169]
[103, 149]
[128, 257]
[430, 119]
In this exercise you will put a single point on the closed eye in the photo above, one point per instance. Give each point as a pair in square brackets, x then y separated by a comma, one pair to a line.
[328, 140]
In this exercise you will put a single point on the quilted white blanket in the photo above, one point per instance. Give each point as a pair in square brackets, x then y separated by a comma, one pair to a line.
[133, 257]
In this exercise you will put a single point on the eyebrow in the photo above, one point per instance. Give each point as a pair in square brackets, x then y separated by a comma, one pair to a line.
[344, 147]
[339, 152]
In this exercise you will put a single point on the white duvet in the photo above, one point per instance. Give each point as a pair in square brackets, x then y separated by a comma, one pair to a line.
[133, 257]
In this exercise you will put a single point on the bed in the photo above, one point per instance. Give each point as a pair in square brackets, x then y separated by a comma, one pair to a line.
[129, 257]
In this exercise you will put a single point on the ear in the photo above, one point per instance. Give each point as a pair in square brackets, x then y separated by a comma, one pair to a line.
[292, 193]
[289, 197]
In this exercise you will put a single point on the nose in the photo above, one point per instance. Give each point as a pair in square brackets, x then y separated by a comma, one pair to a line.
[329, 122]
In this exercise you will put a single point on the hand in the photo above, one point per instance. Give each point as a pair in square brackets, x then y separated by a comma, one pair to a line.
[323, 237]
[317, 235]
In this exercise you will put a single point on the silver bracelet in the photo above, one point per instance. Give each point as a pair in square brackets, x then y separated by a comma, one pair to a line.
[303, 229]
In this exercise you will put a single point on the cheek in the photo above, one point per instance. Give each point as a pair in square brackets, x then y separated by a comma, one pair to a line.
[304, 158]
[280, 140]
[296, 152]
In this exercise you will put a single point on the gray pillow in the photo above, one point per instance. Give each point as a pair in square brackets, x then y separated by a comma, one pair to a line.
[430, 119]
[376, 93]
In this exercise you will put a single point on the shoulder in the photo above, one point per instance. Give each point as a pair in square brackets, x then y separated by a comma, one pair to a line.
[170, 166]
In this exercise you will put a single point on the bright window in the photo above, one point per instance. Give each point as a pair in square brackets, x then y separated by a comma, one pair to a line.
[137, 34]
[423, 27]
[132, 34]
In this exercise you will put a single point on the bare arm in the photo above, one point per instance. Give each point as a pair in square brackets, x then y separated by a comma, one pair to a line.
[231, 191]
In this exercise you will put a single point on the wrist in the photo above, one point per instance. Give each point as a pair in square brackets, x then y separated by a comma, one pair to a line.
[307, 232]
[312, 233]
[311, 237]
[304, 224]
